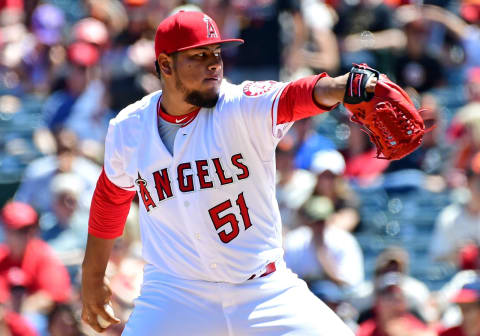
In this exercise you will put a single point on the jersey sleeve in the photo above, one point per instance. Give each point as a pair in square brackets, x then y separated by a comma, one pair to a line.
[115, 160]
[297, 102]
[258, 104]
[115, 187]
[109, 209]
[270, 107]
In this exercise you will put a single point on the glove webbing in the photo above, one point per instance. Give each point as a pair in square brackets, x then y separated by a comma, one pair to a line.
[395, 115]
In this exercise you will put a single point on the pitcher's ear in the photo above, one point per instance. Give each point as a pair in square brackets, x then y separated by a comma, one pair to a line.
[164, 64]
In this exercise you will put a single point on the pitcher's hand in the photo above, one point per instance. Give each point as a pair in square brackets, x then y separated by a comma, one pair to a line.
[95, 294]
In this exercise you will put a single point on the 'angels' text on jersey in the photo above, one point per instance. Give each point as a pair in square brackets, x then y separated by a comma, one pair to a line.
[207, 174]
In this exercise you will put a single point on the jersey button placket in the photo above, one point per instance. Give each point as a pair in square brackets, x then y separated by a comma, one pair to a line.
[189, 207]
[192, 213]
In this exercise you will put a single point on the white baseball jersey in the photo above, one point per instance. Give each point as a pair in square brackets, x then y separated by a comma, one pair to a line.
[209, 211]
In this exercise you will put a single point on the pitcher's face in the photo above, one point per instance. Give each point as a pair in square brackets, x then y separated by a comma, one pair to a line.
[198, 74]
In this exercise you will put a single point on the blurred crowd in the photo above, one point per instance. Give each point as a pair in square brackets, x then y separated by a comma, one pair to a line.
[392, 247]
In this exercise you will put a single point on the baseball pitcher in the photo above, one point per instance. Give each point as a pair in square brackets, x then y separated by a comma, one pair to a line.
[200, 154]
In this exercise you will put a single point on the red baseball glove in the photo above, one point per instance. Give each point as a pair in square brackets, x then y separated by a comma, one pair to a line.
[388, 115]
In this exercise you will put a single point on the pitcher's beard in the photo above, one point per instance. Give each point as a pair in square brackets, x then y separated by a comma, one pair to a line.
[200, 99]
[197, 98]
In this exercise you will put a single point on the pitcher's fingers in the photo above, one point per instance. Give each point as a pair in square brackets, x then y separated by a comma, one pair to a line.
[100, 310]
[93, 323]
[90, 319]
[86, 314]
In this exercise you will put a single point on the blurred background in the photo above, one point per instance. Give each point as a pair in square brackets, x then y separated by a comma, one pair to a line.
[392, 247]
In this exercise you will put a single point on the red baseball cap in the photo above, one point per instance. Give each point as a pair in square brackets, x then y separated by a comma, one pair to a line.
[470, 11]
[83, 53]
[186, 30]
[17, 215]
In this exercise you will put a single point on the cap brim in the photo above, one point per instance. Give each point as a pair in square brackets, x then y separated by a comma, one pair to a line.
[227, 43]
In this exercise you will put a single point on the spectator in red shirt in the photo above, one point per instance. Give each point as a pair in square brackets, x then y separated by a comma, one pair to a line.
[391, 314]
[46, 280]
[13, 324]
[468, 299]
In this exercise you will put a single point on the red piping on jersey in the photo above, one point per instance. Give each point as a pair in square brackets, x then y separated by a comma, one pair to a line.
[297, 101]
[109, 209]
[273, 105]
[183, 120]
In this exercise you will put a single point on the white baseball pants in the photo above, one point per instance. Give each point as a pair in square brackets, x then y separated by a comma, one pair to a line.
[277, 304]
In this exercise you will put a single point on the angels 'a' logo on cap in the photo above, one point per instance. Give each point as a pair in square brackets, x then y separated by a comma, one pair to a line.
[211, 31]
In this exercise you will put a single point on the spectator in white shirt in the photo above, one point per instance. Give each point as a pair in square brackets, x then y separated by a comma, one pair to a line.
[320, 250]
[459, 225]
[294, 185]
[329, 166]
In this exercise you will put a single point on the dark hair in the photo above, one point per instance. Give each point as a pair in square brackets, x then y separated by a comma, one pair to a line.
[157, 69]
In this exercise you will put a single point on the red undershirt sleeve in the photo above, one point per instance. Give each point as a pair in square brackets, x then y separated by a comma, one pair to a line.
[297, 102]
[109, 209]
